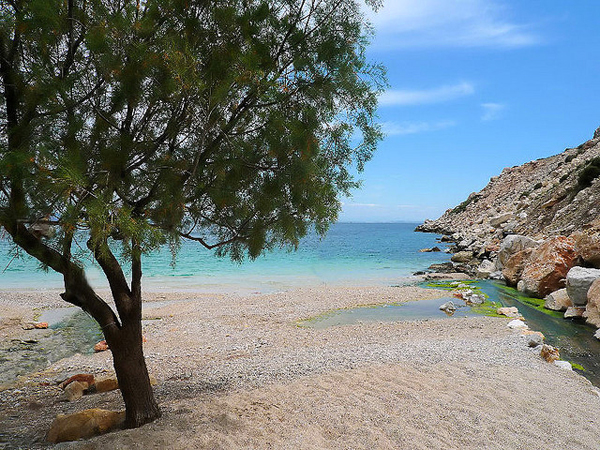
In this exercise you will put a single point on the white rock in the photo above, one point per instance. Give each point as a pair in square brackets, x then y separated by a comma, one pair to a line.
[486, 268]
[579, 280]
[566, 365]
[512, 244]
[448, 307]
[516, 324]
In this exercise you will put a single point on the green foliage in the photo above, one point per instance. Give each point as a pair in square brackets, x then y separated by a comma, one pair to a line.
[463, 206]
[142, 122]
[588, 174]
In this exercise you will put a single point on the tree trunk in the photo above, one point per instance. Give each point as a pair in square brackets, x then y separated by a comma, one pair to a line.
[132, 374]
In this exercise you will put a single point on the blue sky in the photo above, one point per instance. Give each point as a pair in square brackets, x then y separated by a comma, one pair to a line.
[475, 86]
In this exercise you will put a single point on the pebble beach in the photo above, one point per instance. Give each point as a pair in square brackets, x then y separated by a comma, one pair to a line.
[238, 372]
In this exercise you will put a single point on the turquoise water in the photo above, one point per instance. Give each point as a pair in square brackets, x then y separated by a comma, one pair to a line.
[414, 310]
[350, 254]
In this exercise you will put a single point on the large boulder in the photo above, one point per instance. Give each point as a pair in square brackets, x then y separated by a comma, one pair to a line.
[512, 244]
[558, 300]
[485, 268]
[587, 243]
[592, 308]
[579, 280]
[84, 424]
[462, 257]
[513, 268]
[547, 267]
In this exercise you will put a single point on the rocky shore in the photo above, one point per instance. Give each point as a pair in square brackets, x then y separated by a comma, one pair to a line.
[537, 227]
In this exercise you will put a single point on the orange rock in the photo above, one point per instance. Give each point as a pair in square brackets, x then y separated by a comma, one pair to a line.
[101, 346]
[549, 353]
[587, 243]
[509, 311]
[533, 333]
[84, 424]
[546, 269]
[107, 384]
[41, 325]
[513, 269]
[592, 308]
[81, 377]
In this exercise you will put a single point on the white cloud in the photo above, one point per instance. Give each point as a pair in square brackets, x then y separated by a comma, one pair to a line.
[397, 129]
[449, 23]
[425, 96]
[492, 111]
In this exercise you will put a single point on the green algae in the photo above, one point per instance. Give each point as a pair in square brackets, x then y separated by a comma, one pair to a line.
[488, 308]
[577, 366]
[535, 303]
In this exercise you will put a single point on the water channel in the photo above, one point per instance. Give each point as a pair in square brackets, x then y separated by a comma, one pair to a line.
[574, 338]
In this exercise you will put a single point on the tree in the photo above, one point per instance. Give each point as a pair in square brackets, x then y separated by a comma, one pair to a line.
[127, 125]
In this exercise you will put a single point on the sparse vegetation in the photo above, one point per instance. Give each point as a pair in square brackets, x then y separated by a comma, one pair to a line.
[589, 173]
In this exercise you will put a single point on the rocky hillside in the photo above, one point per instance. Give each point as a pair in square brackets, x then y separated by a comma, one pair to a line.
[547, 197]
[537, 227]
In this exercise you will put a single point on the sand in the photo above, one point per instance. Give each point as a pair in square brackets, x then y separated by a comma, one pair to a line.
[237, 372]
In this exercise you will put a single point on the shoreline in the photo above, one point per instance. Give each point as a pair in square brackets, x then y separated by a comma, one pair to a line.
[235, 371]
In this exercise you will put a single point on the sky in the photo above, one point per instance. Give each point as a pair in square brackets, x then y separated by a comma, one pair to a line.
[474, 86]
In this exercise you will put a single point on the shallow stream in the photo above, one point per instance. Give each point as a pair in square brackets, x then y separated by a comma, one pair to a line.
[574, 339]
[70, 331]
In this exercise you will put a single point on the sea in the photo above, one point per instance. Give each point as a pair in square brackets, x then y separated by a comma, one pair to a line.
[351, 254]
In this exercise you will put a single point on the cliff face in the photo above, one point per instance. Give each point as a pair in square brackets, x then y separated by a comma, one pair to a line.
[540, 199]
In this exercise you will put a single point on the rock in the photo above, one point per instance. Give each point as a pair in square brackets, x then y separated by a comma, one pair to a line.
[587, 243]
[592, 308]
[533, 338]
[579, 280]
[516, 324]
[485, 268]
[101, 346]
[448, 307]
[597, 334]
[549, 353]
[509, 311]
[574, 312]
[40, 325]
[547, 267]
[497, 275]
[502, 218]
[447, 267]
[429, 250]
[597, 133]
[81, 377]
[512, 244]
[462, 257]
[566, 365]
[84, 424]
[447, 276]
[513, 268]
[558, 300]
[474, 299]
[74, 391]
[107, 384]
[28, 326]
